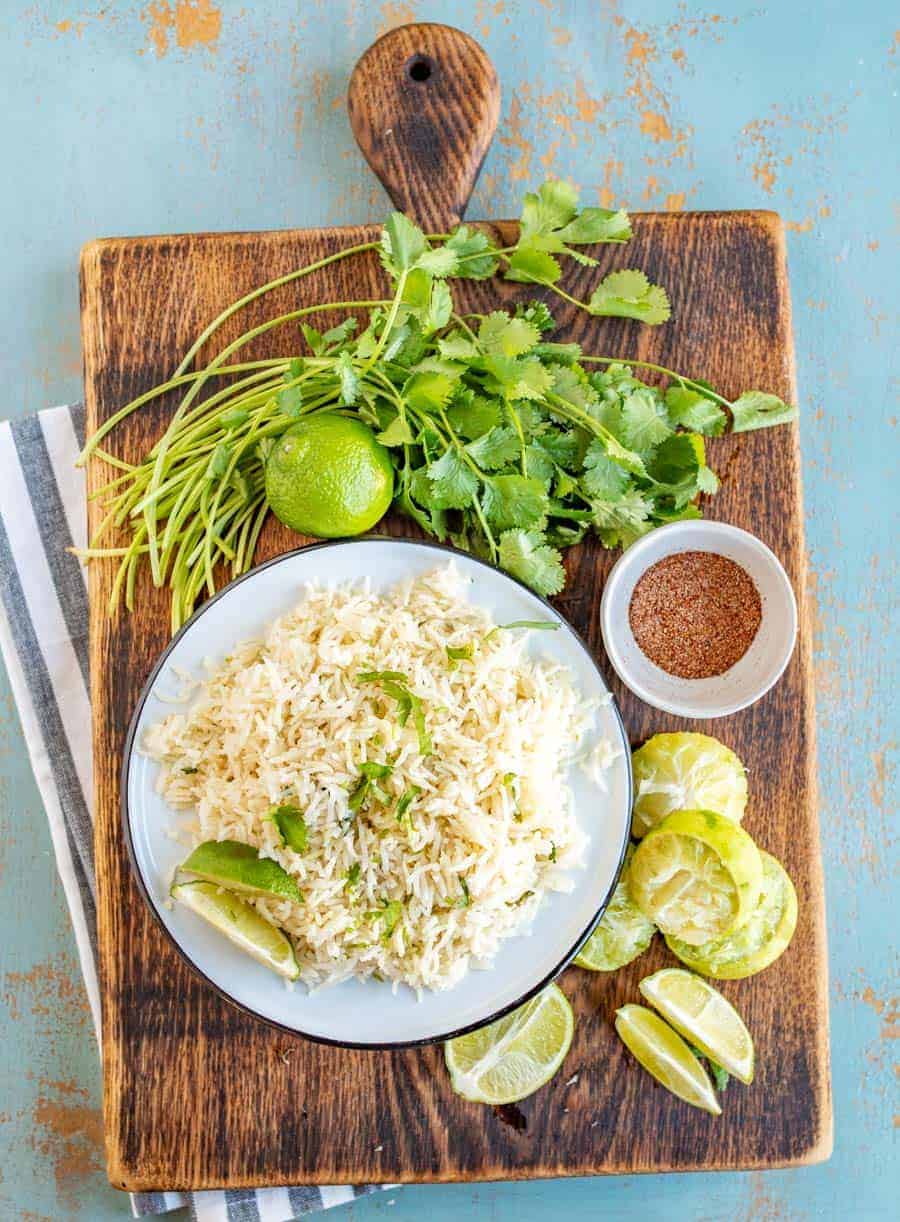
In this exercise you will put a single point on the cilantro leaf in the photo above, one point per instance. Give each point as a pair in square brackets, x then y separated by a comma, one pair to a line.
[402, 244]
[538, 313]
[519, 377]
[352, 875]
[439, 261]
[389, 914]
[678, 459]
[515, 500]
[453, 483]
[539, 465]
[527, 556]
[495, 449]
[629, 294]
[313, 338]
[622, 521]
[406, 800]
[602, 477]
[338, 335]
[290, 401]
[644, 420]
[397, 433]
[457, 347]
[554, 205]
[707, 481]
[291, 827]
[594, 225]
[504, 336]
[472, 415]
[694, 411]
[528, 265]
[348, 379]
[757, 410]
[475, 258]
[464, 898]
[440, 307]
[427, 391]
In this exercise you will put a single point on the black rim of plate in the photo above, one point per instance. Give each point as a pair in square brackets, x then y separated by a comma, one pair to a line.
[444, 550]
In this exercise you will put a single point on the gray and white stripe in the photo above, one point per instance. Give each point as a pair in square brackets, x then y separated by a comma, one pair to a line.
[44, 642]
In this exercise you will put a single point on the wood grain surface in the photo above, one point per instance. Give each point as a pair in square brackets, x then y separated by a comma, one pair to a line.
[424, 102]
[199, 1095]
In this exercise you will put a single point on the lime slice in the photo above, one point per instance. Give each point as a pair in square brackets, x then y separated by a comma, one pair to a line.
[702, 1015]
[665, 1055]
[685, 772]
[763, 937]
[622, 933]
[241, 924]
[229, 863]
[697, 875]
[511, 1058]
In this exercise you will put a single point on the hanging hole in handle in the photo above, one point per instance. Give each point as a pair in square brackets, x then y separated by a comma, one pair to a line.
[420, 68]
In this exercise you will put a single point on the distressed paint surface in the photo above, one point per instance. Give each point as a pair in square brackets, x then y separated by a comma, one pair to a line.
[187, 114]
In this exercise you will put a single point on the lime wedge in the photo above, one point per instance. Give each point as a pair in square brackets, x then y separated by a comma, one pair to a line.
[697, 875]
[622, 933]
[241, 924]
[665, 1055]
[511, 1058]
[763, 937]
[702, 1015]
[685, 772]
[229, 863]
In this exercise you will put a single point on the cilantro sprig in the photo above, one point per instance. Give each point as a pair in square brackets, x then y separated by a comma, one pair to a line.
[505, 442]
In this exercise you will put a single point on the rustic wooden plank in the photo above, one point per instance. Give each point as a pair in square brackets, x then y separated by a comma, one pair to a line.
[199, 1095]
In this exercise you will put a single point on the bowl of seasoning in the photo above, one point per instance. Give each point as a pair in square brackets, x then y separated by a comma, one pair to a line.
[699, 618]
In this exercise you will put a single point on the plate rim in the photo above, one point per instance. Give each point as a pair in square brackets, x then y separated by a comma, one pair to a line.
[128, 753]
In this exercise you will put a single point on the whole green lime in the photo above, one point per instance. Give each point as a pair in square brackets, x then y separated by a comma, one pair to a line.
[328, 476]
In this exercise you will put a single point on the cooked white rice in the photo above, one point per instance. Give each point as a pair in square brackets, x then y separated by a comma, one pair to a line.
[288, 721]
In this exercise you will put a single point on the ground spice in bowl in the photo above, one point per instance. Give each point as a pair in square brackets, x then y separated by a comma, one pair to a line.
[695, 614]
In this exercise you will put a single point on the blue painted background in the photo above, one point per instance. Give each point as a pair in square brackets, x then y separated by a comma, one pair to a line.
[170, 115]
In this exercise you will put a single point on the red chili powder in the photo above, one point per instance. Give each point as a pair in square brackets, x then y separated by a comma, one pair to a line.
[695, 614]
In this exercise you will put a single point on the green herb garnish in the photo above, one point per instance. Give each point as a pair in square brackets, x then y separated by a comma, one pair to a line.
[503, 441]
[721, 1077]
[545, 624]
[352, 875]
[464, 899]
[291, 826]
[406, 800]
[389, 914]
[393, 683]
[461, 653]
[369, 773]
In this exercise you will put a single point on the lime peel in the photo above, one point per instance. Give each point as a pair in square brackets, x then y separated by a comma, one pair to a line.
[666, 1057]
[697, 875]
[762, 939]
[241, 924]
[704, 1017]
[513, 1057]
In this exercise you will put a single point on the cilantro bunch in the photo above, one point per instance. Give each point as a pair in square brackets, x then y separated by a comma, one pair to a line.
[505, 441]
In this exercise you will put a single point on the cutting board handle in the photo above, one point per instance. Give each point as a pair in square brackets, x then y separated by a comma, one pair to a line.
[424, 102]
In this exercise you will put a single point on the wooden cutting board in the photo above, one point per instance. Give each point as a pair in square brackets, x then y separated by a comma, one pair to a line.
[197, 1094]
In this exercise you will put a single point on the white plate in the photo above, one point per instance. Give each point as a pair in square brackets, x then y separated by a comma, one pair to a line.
[367, 1013]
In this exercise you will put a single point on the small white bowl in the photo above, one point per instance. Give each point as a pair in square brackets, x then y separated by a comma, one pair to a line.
[753, 674]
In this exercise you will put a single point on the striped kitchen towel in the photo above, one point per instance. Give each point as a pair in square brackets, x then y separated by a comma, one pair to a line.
[43, 637]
